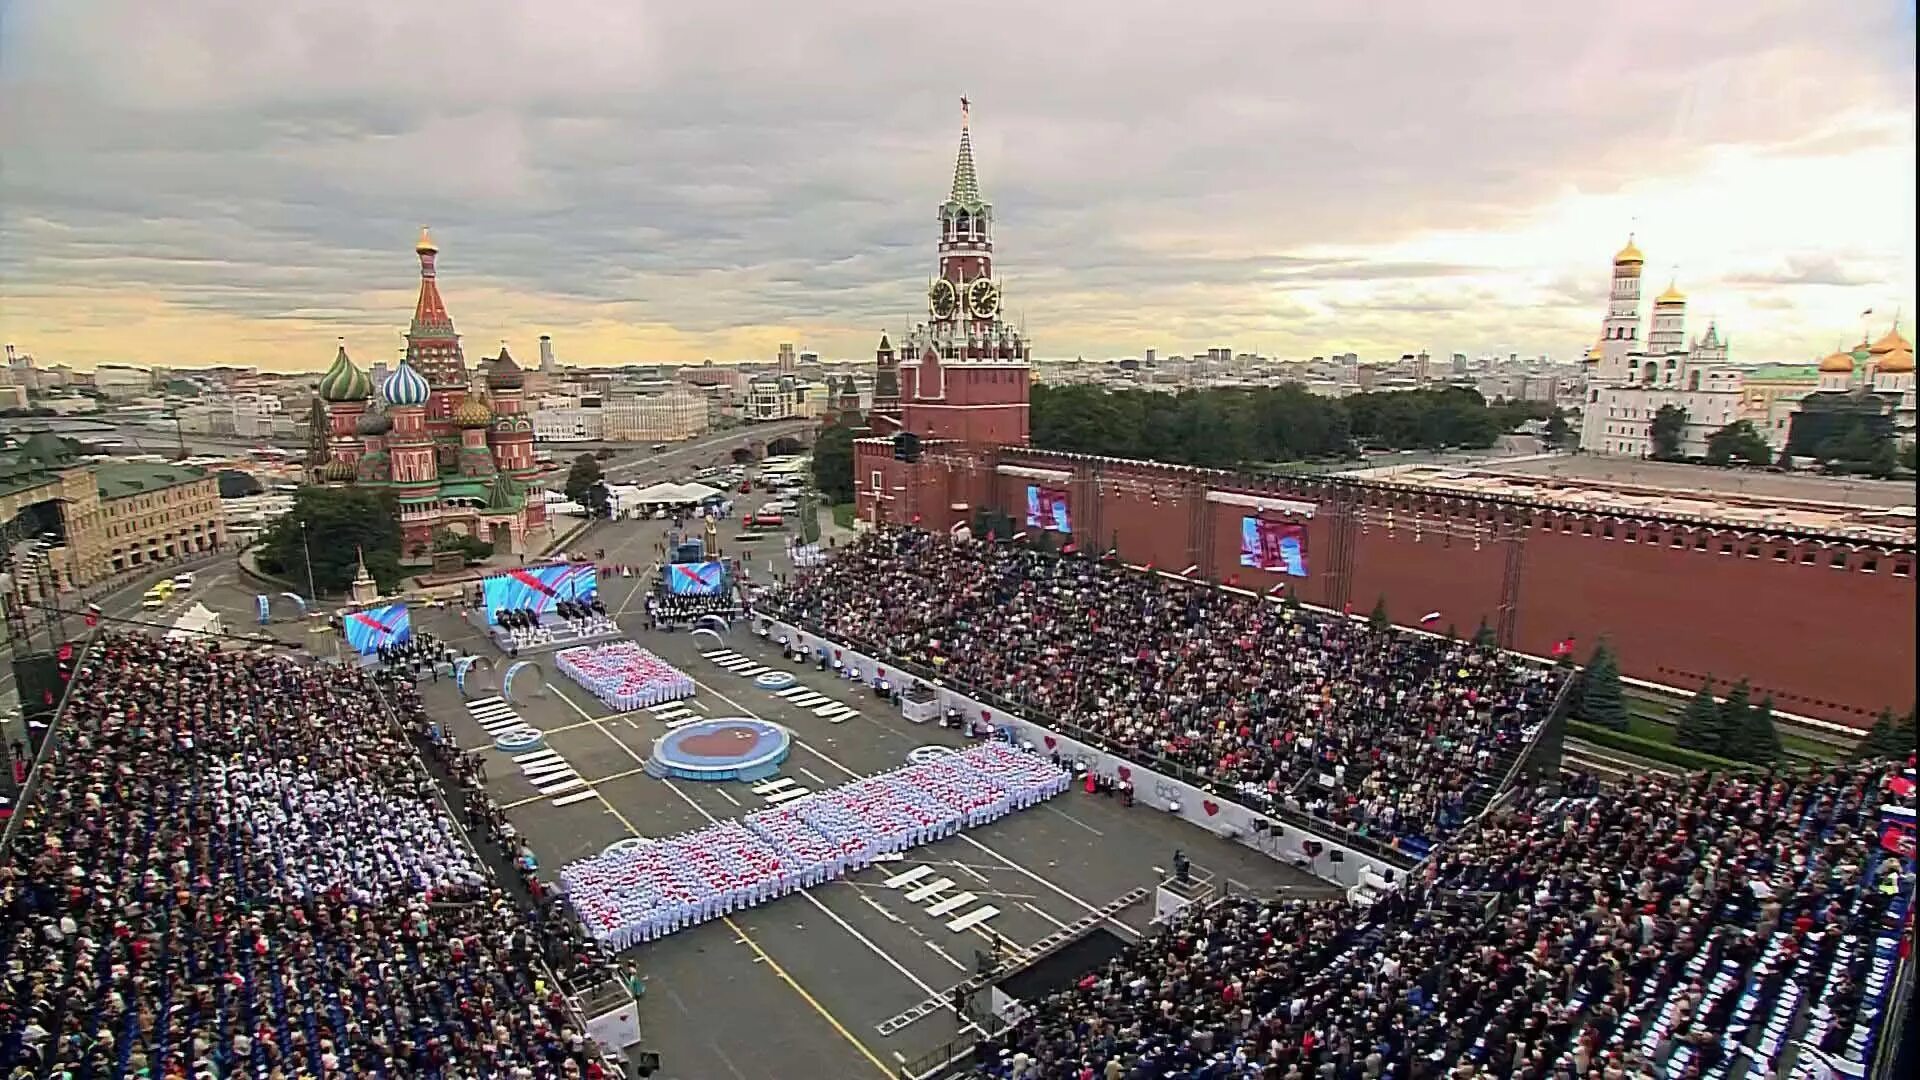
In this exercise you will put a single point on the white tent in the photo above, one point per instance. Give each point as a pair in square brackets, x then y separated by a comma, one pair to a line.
[668, 493]
[197, 621]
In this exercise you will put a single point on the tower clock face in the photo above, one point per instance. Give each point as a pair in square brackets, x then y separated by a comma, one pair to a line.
[983, 296]
[942, 298]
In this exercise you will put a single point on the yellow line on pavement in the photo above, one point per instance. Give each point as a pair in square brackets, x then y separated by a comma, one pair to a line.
[772, 965]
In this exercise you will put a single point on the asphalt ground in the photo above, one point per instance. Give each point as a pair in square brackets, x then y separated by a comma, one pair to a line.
[799, 988]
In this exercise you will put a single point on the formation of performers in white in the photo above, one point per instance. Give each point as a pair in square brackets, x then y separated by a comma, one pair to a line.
[623, 675]
[568, 619]
[644, 891]
[806, 556]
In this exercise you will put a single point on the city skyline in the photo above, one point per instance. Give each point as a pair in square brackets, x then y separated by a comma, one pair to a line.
[220, 184]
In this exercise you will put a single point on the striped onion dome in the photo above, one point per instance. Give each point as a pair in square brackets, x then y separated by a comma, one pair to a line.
[343, 382]
[405, 387]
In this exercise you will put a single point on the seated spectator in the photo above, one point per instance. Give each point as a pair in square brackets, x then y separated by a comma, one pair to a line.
[235, 865]
[1389, 734]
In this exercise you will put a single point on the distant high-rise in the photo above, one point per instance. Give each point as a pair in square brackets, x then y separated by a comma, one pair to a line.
[788, 362]
[548, 365]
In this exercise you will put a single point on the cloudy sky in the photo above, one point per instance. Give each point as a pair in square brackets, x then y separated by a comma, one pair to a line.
[208, 181]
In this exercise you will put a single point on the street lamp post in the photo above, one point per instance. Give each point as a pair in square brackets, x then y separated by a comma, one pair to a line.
[306, 551]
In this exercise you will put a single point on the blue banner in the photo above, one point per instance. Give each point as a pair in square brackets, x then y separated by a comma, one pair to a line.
[266, 607]
[538, 588]
[697, 578]
[389, 624]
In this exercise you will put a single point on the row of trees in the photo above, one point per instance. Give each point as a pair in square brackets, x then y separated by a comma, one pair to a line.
[1227, 428]
[1854, 446]
[1732, 727]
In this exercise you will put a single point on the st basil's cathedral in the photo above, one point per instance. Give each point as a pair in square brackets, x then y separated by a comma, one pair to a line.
[455, 451]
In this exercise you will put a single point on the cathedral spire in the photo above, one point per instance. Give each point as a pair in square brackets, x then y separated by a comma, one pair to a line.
[429, 311]
[966, 186]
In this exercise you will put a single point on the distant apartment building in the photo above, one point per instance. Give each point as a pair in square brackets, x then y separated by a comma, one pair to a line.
[667, 417]
[568, 423]
[122, 380]
[773, 397]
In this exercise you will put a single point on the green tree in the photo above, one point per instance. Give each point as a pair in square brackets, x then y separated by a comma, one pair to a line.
[472, 548]
[1558, 431]
[1731, 727]
[1758, 740]
[1888, 738]
[1601, 699]
[587, 486]
[1699, 727]
[339, 524]
[1379, 616]
[833, 462]
[1738, 441]
[1484, 637]
[1669, 427]
[1910, 457]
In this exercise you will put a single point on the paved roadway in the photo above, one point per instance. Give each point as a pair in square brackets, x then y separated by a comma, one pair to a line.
[798, 987]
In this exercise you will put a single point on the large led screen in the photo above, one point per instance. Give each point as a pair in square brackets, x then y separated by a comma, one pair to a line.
[696, 578]
[538, 588]
[368, 630]
[1277, 546]
[1047, 509]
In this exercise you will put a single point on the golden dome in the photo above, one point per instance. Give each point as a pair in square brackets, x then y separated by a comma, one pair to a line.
[1840, 362]
[1893, 342]
[472, 413]
[1673, 295]
[425, 244]
[1596, 352]
[1897, 362]
[1629, 255]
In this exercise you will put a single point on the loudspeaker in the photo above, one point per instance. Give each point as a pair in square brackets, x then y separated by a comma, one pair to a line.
[906, 447]
[1336, 855]
[646, 1062]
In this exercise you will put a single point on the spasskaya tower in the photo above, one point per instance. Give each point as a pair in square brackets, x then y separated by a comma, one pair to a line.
[962, 375]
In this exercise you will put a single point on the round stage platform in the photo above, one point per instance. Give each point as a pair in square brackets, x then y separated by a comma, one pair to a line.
[775, 680]
[724, 748]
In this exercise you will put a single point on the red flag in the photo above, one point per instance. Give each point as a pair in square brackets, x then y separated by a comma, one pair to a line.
[916, 519]
[93, 615]
[1233, 579]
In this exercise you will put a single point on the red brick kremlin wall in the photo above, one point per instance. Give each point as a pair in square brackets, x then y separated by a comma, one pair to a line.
[1825, 625]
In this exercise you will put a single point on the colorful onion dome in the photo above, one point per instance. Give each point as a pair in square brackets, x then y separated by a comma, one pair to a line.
[405, 387]
[472, 413]
[339, 470]
[504, 374]
[373, 422]
[343, 382]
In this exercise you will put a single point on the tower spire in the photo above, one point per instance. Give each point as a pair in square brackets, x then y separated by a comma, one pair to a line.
[966, 186]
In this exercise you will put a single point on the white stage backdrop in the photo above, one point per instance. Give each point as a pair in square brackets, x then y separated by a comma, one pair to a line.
[1320, 855]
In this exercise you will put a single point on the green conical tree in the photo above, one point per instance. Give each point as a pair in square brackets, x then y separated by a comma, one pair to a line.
[1734, 712]
[1379, 617]
[1698, 728]
[1601, 699]
[1484, 636]
[1759, 739]
[1888, 738]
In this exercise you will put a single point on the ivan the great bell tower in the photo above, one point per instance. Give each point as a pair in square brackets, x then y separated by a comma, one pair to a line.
[962, 375]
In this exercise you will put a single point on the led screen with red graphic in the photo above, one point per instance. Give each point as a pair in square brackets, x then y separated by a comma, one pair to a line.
[1276, 546]
[1047, 509]
[697, 578]
[538, 588]
[368, 630]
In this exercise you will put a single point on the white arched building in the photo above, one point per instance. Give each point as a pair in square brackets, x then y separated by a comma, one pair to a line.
[1629, 378]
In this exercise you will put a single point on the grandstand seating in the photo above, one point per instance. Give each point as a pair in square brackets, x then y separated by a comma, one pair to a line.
[238, 866]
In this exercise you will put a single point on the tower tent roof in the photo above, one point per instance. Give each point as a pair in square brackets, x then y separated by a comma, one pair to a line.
[966, 185]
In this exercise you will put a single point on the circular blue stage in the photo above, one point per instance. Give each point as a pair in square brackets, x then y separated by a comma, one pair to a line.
[724, 748]
[774, 680]
[518, 740]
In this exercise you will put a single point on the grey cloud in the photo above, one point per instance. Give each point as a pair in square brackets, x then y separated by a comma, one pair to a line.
[1810, 268]
[728, 164]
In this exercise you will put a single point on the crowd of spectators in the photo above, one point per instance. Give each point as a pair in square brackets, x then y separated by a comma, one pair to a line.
[237, 865]
[1704, 926]
[1385, 733]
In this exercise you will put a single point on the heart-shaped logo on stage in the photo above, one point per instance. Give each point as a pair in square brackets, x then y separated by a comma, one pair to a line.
[720, 742]
[1051, 743]
[881, 674]
[1210, 807]
[986, 716]
[1126, 773]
